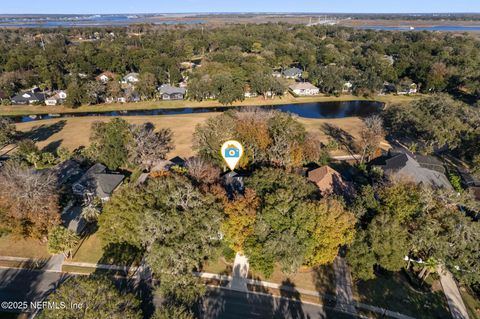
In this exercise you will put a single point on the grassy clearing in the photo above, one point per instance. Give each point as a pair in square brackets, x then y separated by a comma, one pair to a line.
[75, 132]
[90, 250]
[217, 266]
[393, 291]
[19, 247]
[471, 302]
[13, 110]
[320, 279]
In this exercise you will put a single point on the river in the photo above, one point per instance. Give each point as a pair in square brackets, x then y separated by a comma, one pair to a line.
[318, 110]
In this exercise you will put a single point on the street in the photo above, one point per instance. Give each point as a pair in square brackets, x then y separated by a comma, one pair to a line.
[229, 304]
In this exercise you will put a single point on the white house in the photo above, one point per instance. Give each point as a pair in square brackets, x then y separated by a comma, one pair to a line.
[347, 87]
[105, 77]
[58, 98]
[131, 78]
[304, 89]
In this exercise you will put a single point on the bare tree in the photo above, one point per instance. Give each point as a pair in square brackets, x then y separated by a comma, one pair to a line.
[370, 137]
[29, 200]
[202, 171]
[148, 146]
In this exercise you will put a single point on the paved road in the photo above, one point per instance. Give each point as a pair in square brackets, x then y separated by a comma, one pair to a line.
[27, 285]
[228, 304]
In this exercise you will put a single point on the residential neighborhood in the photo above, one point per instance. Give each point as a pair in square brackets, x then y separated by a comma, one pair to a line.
[239, 162]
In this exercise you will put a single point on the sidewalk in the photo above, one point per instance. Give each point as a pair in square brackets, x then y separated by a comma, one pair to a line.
[343, 280]
[454, 299]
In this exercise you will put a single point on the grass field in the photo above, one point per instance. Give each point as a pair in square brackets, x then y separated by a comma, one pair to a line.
[75, 132]
[149, 105]
[393, 291]
[27, 248]
[90, 250]
[471, 302]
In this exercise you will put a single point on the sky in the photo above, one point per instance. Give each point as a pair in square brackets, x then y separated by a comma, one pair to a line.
[192, 6]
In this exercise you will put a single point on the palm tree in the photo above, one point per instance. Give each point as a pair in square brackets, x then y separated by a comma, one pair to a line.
[430, 266]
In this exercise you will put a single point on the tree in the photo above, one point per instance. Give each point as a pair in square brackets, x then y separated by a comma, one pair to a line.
[148, 146]
[293, 228]
[96, 297]
[62, 241]
[330, 227]
[176, 224]
[361, 258]
[24, 149]
[113, 89]
[433, 122]
[74, 94]
[7, 131]
[109, 142]
[147, 85]
[29, 200]
[240, 219]
[269, 137]
[202, 171]
[370, 137]
[94, 92]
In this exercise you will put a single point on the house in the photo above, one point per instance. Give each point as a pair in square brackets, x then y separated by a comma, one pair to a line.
[389, 88]
[168, 92]
[276, 74]
[29, 97]
[58, 98]
[329, 181]
[347, 87]
[471, 182]
[401, 164]
[249, 93]
[233, 184]
[67, 172]
[404, 89]
[292, 73]
[131, 78]
[96, 182]
[105, 77]
[304, 89]
[72, 219]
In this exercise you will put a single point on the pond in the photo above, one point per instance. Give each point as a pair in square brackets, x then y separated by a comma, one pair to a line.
[319, 110]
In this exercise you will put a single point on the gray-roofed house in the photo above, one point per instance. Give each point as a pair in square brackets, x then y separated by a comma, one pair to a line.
[233, 184]
[67, 172]
[168, 92]
[424, 170]
[292, 73]
[96, 182]
[28, 97]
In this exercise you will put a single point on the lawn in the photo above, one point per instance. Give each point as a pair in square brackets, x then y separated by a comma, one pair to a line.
[19, 247]
[394, 292]
[471, 302]
[320, 279]
[150, 105]
[75, 132]
[90, 250]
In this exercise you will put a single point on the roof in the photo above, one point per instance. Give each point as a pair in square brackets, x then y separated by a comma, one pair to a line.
[133, 74]
[73, 220]
[403, 165]
[107, 183]
[292, 72]
[68, 171]
[233, 184]
[108, 74]
[168, 89]
[328, 180]
[468, 178]
[28, 96]
[302, 86]
[97, 181]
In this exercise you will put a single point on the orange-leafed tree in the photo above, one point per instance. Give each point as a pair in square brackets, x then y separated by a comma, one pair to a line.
[240, 219]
